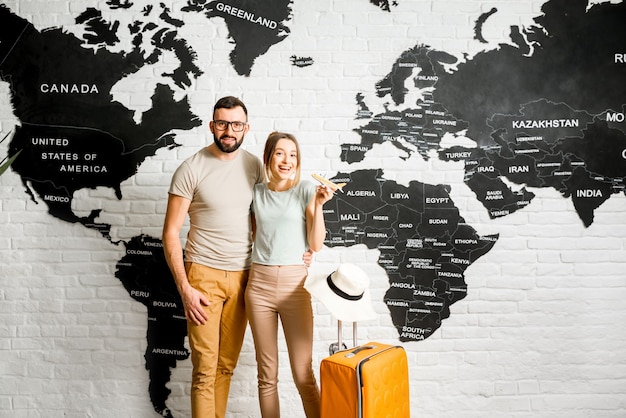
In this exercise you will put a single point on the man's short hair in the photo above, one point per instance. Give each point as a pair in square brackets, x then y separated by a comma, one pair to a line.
[228, 102]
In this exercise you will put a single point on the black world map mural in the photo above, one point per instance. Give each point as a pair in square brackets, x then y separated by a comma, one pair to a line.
[545, 111]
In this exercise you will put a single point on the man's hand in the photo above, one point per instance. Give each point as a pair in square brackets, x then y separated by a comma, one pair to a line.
[194, 303]
[307, 257]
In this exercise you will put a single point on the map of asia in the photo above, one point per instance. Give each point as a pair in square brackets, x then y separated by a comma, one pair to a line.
[528, 125]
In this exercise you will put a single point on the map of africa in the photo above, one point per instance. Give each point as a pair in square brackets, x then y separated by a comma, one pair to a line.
[543, 112]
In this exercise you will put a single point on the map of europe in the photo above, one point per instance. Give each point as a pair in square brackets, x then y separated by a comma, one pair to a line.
[544, 112]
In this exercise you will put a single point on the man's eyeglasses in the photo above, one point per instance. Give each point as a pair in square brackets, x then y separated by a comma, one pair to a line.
[222, 125]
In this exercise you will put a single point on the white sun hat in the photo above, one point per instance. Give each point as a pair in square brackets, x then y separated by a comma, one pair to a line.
[344, 292]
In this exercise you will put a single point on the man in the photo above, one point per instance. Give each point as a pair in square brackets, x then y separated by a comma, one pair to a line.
[214, 186]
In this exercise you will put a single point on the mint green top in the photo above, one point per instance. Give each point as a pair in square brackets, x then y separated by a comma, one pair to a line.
[280, 238]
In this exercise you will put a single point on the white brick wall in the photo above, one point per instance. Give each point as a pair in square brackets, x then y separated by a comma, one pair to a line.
[540, 333]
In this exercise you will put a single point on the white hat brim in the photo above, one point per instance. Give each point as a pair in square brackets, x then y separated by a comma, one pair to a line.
[343, 309]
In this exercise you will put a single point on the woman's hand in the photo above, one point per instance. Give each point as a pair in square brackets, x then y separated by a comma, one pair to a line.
[323, 194]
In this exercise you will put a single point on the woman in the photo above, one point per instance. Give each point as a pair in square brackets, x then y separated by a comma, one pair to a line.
[289, 220]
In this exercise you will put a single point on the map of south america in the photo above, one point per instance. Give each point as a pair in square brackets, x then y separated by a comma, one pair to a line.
[144, 273]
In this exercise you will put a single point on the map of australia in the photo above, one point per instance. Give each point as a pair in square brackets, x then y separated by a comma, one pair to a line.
[546, 110]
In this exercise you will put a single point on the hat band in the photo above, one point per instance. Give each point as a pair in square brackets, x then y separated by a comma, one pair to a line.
[340, 292]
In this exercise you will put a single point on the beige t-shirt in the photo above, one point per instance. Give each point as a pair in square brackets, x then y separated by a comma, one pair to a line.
[219, 215]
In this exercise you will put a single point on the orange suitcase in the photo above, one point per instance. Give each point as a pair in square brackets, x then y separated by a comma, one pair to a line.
[368, 381]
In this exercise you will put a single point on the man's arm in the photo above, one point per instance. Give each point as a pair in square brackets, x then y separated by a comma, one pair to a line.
[193, 300]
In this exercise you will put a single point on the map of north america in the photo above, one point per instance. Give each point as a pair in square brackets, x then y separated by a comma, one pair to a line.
[545, 111]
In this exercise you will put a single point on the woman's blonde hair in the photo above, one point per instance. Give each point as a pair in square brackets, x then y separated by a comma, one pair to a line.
[270, 147]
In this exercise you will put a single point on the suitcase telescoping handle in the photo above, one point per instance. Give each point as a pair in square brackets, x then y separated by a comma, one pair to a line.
[339, 345]
[340, 334]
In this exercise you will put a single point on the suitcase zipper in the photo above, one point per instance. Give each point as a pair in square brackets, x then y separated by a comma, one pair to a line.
[359, 366]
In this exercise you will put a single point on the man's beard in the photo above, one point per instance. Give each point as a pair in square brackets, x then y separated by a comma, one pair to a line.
[225, 148]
